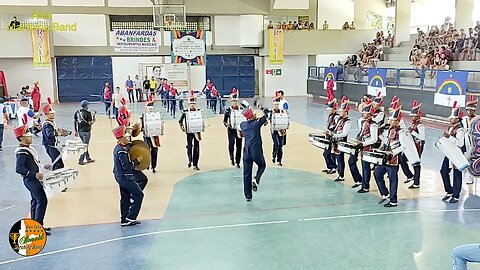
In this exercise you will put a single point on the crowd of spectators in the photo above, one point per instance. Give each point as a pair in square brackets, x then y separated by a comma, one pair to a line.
[437, 58]
[291, 25]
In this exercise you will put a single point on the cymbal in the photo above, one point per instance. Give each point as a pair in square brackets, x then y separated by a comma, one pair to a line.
[142, 151]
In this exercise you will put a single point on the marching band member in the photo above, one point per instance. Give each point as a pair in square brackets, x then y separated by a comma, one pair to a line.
[331, 122]
[353, 159]
[253, 150]
[131, 194]
[173, 94]
[149, 140]
[31, 116]
[393, 104]
[456, 135]
[278, 137]
[283, 101]
[193, 139]
[394, 148]
[378, 110]
[340, 134]
[27, 165]
[418, 133]
[368, 137]
[234, 140]
[207, 89]
[467, 123]
[49, 136]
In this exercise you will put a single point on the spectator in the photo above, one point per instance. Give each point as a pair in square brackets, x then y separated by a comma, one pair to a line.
[464, 254]
[468, 49]
[153, 86]
[284, 26]
[3, 121]
[14, 24]
[146, 86]
[352, 26]
[389, 40]
[477, 27]
[413, 52]
[130, 88]
[311, 27]
[83, 121]
[290, 25]
[306, 26]
[448, 53]
[107, 98]
[345, 26]
[138, 87]
[325, 25]
[295, 25]
[270, 25]
[279, 26]
[470, 32]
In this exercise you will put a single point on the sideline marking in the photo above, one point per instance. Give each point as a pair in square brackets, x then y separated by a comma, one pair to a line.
[145, 234]
[6, 208]
[233, 226]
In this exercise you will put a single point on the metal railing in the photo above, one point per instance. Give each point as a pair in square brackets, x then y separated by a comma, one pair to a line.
[396, 77]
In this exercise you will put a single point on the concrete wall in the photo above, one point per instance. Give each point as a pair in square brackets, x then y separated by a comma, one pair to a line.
[335, 15]
[355, 92]
[292, 80]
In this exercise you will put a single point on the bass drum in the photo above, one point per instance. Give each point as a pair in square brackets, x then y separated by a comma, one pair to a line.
[280, 121]
[195, 122]
[410, 150]
[153, 124]
[453, 153]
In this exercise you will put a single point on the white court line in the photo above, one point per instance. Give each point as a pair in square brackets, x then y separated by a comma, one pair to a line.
[230, 226]
[146, 234]
[6, 208]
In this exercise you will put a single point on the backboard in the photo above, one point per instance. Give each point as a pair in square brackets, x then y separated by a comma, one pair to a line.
[169, 17]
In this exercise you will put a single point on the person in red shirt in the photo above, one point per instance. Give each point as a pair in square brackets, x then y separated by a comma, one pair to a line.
[173, 99]
[36, 97]
[330, 85]
[214, 99]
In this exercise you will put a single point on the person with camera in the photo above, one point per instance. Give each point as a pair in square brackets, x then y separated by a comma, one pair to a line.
[82, 125]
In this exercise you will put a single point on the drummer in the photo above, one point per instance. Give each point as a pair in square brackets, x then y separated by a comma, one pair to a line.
[368, 137]
[234, 140]
[418, 133]
[193, 139]
[131, 194]
[353, 159]
[49, 136]
[378, 110]
[393, 148]
[331, 123]
[148, 140]
[27, 165]
[340, 134]
[456, 135]
[278, 137]
[467, 123]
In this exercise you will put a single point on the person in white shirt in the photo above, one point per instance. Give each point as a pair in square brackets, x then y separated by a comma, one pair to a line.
[117, 100]
[31, 116]
[283, 101]
[3, 121]
[138, 84]
[340, 134]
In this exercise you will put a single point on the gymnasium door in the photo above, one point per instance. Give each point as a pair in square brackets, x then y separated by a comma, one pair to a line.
[228, 71]
[82, 77]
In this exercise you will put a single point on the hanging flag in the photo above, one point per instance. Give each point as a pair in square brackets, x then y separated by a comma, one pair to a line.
[41, 49]
[330, 74]
[189, 47]
[377, 81]
[276, 46]
[451, 87]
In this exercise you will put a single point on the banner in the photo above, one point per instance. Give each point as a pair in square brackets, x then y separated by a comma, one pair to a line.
[377, 81]
[276, 46]
[41, 49]
[330, 73]
[136, 41]
[451, 86]
[189, 47]
[178, 74]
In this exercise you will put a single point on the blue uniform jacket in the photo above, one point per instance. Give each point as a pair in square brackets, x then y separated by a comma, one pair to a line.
[122, 165]
[252, 131]
[48, 134]
[26, 164]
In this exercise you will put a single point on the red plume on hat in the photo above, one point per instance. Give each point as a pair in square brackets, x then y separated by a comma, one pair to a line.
[378, 99]
[332, 104]
[416, 109]
[150, 102]
[276, 98]
[345, 106]
[48, 108]
[472, 103]
[456, 112]
[22, 130]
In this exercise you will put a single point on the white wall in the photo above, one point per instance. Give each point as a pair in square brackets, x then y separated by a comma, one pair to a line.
[293, 80]
[77, 3]
[129, 3]
[288, 4]
[326, 59]
[251, 30]
[17, 44]
[20, 72]
[23, 2]
[197, 77]
[335, 14]
[227, 30]
[91, 30]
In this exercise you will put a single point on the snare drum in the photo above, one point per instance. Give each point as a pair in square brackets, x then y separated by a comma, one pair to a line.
[348, 148]
[59, 180]
[153, 124]
[312, 136]
[72, 150]
[322, 143]
[72, 143]
[195, 122]
[377, 158]
[280, 121]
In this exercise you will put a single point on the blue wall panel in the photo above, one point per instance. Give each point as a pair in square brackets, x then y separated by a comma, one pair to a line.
[80, 77]
[228, 71]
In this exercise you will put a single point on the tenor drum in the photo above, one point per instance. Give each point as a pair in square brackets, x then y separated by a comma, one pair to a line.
[236, 117]
[280, 121]
[153, 124]
[377, 158]
[312, 136]
[322, 143]
[59, 180]
[348, 148]
[72, 143]
[453, 153]
[410, 150]
[195, 122]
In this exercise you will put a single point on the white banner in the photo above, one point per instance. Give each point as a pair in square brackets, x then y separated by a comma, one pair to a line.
[178, 74]
[372, 91]
[136, 40]
[448, 100]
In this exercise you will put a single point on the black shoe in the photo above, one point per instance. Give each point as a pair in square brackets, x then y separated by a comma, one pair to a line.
[127, 223]
[189, 164]
[233, 162]
[356, 185]
[414, 186]
[81, 163]
[133, 221]
[238, 165]
[390, 204]
[90, 160]
[154, 171]
[196, 168]
[448, 196]
[383, 199]
[332, 171]
[339, 179]
[249, 200]
[280, 164]
[326, 170]
[453, 200]
[254, 185]
[48, 233]
[273, 160]
[47, 229]
[363, 191]
[1, 149]
[65, 190]
[408, 180]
